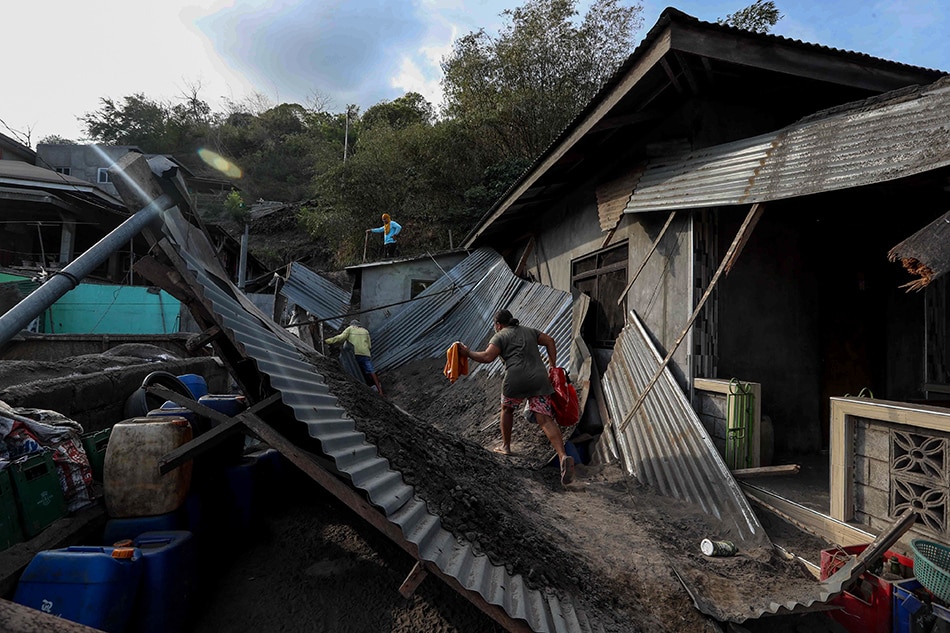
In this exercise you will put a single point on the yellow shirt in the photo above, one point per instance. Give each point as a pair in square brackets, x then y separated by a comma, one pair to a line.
[357, 336]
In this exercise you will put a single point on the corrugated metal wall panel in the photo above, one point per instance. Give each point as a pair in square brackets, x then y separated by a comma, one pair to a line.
[871, 142]
[318, 296]
[314, 405]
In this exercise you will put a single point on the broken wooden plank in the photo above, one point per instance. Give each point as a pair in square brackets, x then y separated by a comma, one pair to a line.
[523, 262]
[17, 618]
[751, 219]
[413, 580]
[925, 253]
[646, 257]
[202, 338]
[765, 471]
[226, 427]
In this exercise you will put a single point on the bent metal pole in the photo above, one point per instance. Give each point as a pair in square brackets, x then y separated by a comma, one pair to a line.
[62, 281]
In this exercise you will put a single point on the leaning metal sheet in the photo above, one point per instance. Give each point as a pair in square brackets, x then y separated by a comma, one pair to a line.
[324, 300]
[304, 390]
[665, 444]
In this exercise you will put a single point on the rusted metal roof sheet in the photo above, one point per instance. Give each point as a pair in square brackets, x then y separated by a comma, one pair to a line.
[899, 134]
[612, 198]
[305, 391]
[461, 306]
[323, 299]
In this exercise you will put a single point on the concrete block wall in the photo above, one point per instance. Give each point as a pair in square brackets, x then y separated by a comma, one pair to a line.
[712, 408]
[897, 465]
[97, 400]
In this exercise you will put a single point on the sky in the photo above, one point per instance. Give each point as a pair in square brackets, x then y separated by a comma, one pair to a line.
[63, 56]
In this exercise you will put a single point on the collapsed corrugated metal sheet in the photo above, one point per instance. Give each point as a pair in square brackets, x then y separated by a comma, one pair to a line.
[665, 444]
[318, 296]
[304, 390]
[884, 138]
[460, 306]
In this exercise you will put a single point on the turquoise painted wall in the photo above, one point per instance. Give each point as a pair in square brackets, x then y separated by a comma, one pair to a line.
[101, 309]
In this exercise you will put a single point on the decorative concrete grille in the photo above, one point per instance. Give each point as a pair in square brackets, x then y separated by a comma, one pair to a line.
[919, 478]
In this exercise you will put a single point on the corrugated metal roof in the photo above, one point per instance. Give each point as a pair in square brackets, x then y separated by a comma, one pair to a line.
[318, 296]
[305, 391]
[460, 306]
[897, 135]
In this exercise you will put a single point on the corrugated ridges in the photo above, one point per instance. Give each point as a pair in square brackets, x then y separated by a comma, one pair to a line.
[318, 296]
[869, 142]
[483, 285]
[305, 391]
[665, 445]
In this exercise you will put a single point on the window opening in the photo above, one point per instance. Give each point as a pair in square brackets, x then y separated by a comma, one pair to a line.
[602, 276]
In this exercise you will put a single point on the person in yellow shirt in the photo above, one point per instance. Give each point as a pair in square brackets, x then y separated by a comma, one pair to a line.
[358, 337]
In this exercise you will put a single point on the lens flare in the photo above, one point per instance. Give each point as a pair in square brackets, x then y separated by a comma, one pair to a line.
[220, 163]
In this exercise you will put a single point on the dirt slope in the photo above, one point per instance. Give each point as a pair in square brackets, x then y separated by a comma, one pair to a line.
[605, 541]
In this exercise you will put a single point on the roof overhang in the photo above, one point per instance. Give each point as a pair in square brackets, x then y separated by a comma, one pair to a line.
[678, 53]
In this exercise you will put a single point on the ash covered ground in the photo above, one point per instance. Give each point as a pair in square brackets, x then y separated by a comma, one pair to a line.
[605, 542]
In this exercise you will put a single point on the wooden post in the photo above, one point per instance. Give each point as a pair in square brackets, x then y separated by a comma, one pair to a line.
[413, 580]
[646, 257]
[365, 244]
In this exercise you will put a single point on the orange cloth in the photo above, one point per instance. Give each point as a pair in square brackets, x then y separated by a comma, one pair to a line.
[386, 223]
[455, 364]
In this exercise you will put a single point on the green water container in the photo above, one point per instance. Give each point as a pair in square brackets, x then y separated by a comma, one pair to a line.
[38, 492]
[10, 530]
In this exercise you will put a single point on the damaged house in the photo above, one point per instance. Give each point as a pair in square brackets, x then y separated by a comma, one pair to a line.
[716, 223]
[731, 199]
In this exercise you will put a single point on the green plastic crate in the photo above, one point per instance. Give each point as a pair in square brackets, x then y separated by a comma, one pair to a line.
[38, 492]
[10, 530]
[95, 444]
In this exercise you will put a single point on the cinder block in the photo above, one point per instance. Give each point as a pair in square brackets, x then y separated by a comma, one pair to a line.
[862, 470]
[873, 441]
[879, 476]
[712, 405]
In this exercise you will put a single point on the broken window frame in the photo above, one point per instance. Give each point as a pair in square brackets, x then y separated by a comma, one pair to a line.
[605, 319]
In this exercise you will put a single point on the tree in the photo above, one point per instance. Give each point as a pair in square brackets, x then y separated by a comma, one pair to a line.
[409, 109]
[758, 17]
[520, 89]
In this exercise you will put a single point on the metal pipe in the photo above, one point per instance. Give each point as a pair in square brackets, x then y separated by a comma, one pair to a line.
[242, 260]
[62, 281]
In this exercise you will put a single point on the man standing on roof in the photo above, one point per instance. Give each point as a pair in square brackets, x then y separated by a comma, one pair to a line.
[525, 378]
[390, 229]
[359, 338]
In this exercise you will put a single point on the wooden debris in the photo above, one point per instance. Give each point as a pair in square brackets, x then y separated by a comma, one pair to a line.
[765, 471]
[413, 580]
[925, 254]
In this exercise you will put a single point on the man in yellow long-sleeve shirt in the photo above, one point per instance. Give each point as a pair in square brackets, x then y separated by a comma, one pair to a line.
[359, 338]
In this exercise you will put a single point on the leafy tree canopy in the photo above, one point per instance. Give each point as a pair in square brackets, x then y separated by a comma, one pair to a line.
[521, 88]
[758, 17]
[409, 109]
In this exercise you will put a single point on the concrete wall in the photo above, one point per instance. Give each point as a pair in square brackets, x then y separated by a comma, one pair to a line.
[661, 294]
[391, 283]
[107, 309]
[84, 161]
[887, 478]
[97, 400]
[52, 347]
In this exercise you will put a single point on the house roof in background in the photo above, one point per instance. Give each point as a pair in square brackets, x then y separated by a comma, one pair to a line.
[16, 147]
[16, 174]
[677, 55]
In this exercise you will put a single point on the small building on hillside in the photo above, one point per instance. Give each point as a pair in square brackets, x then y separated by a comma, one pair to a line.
[382, 289]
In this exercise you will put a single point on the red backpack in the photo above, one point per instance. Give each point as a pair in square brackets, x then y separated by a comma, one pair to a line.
[564, 399]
